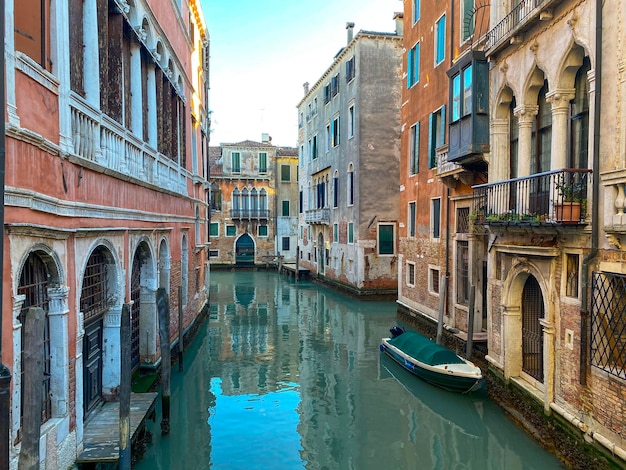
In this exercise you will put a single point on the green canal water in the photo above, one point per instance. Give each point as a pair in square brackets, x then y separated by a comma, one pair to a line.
[289, 376]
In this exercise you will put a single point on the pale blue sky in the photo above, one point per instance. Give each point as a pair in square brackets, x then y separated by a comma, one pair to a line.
[262, 51]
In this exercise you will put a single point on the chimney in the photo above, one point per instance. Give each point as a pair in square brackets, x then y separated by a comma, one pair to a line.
[350, 28]
[265, 138]
[305, 85]
[399, 18]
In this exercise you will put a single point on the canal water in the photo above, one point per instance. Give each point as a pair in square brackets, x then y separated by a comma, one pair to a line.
[289, 376]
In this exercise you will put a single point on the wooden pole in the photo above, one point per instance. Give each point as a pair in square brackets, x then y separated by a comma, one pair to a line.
[163, 307]
[297, 263]
[470, 323]
[32, 387]
[442, 305]
[181, 332]
[125, 387]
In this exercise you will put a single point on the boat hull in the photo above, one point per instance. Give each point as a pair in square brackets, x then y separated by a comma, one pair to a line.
[441, 376]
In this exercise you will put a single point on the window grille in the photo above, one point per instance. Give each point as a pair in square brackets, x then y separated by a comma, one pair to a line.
[608, 323]
[462, 220]
[94, 293]
[34, 285]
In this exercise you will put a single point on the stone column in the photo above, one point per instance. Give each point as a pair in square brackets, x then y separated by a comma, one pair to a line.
[559, 99]
[136, 90]
[512, 338]
[58, 311]
[16, 395]
[500, 150]
[526, 116]
[549, 362]
[111, 351]
[9, 64]
[61, 68]
[92, 56]
[152, 106]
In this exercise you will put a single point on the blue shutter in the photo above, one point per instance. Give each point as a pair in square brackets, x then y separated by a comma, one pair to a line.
[416, 77]
[442, 126]
[409, 68]
[431, 144]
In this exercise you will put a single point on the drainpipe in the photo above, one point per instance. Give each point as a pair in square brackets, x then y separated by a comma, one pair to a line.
[452, 42]
[584, 310]
[5, 373]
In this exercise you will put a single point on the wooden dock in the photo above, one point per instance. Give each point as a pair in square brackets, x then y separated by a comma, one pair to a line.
[290, 270]
[102, 432]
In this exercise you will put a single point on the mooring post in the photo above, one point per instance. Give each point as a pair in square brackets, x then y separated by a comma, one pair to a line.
[32, 388]
[297, 263]
[166, 363]
[442, 306]
[125, 387]
[470, 323]
[181, 332]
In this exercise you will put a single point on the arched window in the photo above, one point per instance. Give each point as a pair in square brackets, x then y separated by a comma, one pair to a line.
[34, 286]
[245, 201]
[542, 134]
[513, 151]
[263, 202]
[254, 202]
[336, 189]
[236, 201]
[579, 119]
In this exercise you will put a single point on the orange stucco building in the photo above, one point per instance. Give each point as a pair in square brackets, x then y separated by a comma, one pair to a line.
[105, 196]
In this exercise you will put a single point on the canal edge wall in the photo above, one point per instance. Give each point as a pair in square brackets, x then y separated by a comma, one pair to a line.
[552, 431]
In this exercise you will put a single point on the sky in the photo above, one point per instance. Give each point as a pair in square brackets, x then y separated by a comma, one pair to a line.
[263, 51]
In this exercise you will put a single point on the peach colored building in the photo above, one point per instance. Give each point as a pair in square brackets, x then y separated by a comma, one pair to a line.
[106, 194]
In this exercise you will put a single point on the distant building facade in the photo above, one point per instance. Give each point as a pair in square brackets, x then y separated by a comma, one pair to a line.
[252, 197]
[287, 204]
[106, 107]
[349, 128]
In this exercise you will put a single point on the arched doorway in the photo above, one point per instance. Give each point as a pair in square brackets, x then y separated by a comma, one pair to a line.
[244, 250]
[94, 299]
[532, 332]
[320, 253]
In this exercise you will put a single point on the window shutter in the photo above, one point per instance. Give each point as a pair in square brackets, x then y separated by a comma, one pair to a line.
[409, 68]
[431, 144]
[442, 126]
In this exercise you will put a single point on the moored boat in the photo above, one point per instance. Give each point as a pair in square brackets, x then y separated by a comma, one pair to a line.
[432, 362]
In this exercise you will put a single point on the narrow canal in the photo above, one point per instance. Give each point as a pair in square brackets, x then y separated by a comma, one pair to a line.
[288, 376]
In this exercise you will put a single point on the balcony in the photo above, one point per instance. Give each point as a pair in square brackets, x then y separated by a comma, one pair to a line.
[514, 24]
[250, 214]
[99, 139]
[449, 172]
[553, 198]
[317, 216]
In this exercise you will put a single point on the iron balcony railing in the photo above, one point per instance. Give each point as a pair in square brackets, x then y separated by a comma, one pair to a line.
[557, 197]
[249, 213]
[317, 216]
[521, 14]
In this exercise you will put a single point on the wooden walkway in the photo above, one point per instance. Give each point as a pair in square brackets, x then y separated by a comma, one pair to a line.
[102, 432]
[290, 270]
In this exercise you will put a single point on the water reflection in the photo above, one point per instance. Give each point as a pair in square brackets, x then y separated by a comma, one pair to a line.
[287, 377]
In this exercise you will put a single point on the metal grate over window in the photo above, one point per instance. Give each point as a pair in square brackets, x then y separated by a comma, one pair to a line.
[94, 293]
[34, 285]
[462, 220]
[608, 323]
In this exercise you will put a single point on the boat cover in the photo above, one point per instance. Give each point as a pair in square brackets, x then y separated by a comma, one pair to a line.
[424, 350]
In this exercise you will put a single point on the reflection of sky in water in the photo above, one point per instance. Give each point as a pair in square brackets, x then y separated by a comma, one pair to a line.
[240, 435]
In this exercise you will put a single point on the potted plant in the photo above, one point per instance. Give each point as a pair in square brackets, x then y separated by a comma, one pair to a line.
[570, 201]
